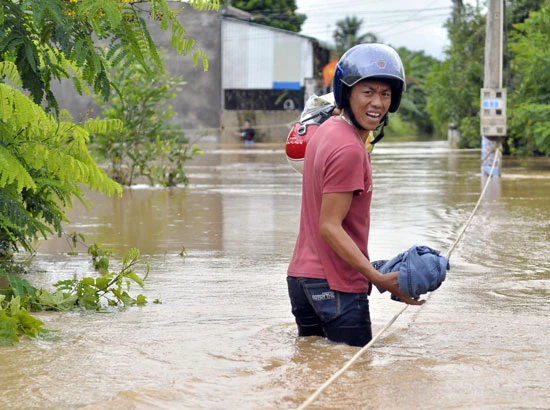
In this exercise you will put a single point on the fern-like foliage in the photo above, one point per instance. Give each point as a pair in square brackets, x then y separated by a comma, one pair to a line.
[17, 224]
[8, 71]
[44, 38]
[44, 162]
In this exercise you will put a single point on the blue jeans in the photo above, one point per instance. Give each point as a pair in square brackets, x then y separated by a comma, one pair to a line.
[320, 311]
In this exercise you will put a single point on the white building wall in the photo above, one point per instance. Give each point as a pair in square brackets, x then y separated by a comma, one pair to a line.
[288, 61]
[258, 57]
[307, 60]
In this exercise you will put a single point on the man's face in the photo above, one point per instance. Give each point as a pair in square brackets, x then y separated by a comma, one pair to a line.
[370, 101]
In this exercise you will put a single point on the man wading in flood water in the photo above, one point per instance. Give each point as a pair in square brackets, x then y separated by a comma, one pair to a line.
[330, 275]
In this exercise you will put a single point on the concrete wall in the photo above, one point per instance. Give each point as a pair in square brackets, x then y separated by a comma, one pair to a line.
[198, 105]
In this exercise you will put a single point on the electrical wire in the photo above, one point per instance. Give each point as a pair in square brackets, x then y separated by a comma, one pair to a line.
[382, 19]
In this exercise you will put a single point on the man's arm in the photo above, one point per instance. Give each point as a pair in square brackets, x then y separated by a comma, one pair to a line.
[334, 208]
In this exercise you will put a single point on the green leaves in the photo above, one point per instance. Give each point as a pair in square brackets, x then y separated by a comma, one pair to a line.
[275, 13]
[55, 300]
[9, 329]
[108, 289]
[529, 111]
[453, 86]
[13, 171]
[347, 34]
[44, 157]
[413, 102]
[95, 293]
[44, 160]
[148, 146]
[94, 9]
[43, 163]
[28, 29]
[20, 287]
[8, 70]
[15, 321]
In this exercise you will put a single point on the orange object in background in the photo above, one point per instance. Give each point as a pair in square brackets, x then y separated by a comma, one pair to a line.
[328, 72]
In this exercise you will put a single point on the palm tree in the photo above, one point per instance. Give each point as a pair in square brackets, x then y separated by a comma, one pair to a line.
[346, 34]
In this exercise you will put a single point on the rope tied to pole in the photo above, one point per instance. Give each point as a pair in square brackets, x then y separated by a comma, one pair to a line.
[357, 355]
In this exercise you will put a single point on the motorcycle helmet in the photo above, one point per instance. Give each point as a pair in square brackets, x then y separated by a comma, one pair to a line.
[370, 60]
[301, 132]
[296, 143]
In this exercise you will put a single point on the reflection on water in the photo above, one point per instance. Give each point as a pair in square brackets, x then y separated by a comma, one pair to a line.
[224, 337]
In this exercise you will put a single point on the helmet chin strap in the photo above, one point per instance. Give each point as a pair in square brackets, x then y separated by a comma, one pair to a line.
[383, 123]
[353, 120]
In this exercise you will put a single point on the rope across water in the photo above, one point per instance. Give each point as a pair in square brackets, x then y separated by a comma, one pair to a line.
[357, 355]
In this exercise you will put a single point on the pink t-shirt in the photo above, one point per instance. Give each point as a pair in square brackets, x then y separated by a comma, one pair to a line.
[335, 161]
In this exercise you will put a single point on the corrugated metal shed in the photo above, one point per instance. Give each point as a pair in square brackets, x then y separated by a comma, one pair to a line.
[256, 57]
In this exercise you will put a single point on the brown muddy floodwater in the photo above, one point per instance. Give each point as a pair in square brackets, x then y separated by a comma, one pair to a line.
[224, 337]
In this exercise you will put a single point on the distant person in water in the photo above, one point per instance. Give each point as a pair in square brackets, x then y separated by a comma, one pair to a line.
[247, 133]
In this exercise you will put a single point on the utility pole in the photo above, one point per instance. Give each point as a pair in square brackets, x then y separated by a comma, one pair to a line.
[493, 96]
[457, 8]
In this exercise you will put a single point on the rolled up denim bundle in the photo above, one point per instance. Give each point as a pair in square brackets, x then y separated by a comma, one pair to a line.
[421, 270]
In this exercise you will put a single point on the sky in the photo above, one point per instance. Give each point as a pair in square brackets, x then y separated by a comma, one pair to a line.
[414, 24]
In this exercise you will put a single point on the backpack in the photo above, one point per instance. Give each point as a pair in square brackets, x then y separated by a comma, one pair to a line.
[317, 111]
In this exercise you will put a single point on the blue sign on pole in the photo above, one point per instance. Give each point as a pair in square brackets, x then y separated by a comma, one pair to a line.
[491, 103]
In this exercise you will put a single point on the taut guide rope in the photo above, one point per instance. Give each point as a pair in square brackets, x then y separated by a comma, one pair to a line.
[356, 356]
